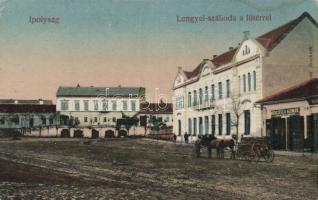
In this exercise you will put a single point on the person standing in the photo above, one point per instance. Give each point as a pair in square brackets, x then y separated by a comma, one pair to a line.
[186, 138]
[174, 138]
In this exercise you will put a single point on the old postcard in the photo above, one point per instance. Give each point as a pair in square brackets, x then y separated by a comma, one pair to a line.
[159, 99]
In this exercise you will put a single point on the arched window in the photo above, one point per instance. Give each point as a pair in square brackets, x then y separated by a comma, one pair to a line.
[194, 126]
[212, 92]
[200, 95]
[189, 99]
[244, 83]
[195, 98]
[190, 126]
[206, 94]
[254, 79]
[249, 82]
[239, 84]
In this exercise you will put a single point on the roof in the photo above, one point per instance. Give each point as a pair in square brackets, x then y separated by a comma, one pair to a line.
[224, 58]
[268, 40]
[23, 108]
[154, 108]
[26, 101]
[100, 91]
[301, 91]
[194, 72]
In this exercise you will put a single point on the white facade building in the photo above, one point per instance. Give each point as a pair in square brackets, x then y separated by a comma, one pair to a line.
[205, 99]
[97, 106]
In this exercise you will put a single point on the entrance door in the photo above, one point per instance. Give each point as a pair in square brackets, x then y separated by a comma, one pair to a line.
[276, 131]
[309, 141]
[179, 127]
[296, 133]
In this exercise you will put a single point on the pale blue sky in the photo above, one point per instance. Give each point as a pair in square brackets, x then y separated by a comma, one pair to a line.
[97, 41]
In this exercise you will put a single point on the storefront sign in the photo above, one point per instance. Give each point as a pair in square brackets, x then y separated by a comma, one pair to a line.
[288, 111]
[313, 100]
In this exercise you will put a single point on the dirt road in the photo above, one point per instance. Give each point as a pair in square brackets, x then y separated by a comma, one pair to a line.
[137, 169]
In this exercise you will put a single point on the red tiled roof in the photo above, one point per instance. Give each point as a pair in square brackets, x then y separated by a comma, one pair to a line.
[224, 58]
[302, 90]
[195, 72]
[154, 108]
[22, 108]
[268, 40]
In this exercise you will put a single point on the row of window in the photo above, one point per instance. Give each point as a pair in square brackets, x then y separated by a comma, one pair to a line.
[105, 106]
[199, 98]
[247, 82]
[202, 125]
[16, 120]
[96, 119]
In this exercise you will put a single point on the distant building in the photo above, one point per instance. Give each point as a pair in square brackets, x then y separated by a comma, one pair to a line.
[256, 68]
[97, 107]
[290, 117]
[27, 114]
[160, 113]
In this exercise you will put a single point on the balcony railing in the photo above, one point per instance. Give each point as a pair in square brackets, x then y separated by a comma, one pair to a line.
[204, 105]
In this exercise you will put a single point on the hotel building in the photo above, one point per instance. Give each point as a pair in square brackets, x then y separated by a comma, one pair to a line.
[207, 98]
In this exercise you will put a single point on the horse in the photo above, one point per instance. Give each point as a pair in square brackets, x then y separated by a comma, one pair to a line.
[210, 141]
[221, 144]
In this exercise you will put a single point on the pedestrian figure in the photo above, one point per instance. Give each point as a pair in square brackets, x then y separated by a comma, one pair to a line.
[186, 138]
[174, 138]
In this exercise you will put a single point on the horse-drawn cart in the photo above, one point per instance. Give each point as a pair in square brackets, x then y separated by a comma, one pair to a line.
[255, 149]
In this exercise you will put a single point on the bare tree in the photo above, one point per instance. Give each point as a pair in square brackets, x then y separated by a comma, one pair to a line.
[237, 109]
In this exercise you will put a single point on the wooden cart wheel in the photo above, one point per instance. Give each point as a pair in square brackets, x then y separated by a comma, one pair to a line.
[269, 157]
[256, 151]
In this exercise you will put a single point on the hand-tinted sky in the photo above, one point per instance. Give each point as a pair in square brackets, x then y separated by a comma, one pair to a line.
[127, 42]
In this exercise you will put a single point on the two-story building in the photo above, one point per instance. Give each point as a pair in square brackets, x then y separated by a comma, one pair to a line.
[218, 97]
[97, 107]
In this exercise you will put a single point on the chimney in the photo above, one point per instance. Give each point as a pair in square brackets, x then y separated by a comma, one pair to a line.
[246, 35]
[78, 85]
[214, 56]
[179, 69]
[231, 48]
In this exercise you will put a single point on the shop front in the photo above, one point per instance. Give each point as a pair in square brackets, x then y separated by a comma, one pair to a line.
[290, 118]
[286, 131]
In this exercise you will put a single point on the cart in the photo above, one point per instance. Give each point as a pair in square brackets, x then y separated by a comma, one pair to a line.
[255, 149]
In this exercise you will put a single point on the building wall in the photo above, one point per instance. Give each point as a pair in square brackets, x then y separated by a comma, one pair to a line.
[289, 62]
[91, 105]
[224, 105]
[292, 61]
[7, 120]
[95, 118]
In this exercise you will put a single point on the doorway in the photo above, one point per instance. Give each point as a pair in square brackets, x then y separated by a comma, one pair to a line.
[296, 133]
[276, 131]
